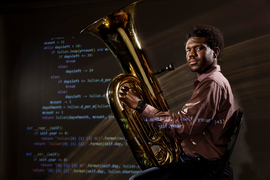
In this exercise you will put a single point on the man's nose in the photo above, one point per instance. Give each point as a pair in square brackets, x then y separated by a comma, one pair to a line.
[192, 53]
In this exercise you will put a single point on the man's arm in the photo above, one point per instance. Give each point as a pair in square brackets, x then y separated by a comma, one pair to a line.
[196, 114]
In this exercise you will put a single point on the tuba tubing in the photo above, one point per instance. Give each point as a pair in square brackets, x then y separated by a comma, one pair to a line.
[118, 31]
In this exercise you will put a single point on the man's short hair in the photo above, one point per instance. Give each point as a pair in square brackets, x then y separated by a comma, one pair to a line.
[213, 35]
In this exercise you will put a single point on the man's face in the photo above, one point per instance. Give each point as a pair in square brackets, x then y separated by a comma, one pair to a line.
[200, 57]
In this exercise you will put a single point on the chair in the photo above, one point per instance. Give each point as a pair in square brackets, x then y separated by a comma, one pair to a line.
[238, 114]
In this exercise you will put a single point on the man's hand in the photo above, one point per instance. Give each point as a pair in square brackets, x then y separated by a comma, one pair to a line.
[129, 97]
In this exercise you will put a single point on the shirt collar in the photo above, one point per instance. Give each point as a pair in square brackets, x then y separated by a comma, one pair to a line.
[215, 68]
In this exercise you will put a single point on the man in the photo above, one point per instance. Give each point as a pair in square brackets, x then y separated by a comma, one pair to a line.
[202, 123]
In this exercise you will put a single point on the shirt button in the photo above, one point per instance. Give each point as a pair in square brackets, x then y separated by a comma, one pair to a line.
[193, 142]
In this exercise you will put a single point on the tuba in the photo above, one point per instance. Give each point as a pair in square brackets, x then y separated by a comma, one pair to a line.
[150, 147]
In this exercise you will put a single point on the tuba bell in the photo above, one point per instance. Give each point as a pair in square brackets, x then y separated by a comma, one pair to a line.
[149, 146]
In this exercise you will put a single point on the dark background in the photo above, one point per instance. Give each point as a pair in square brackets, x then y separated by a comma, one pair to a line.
[162, 26]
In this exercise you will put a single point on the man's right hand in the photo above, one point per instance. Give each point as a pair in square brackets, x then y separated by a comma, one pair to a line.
[129, 97]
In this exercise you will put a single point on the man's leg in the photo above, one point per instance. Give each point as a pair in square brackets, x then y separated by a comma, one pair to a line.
[187, 168]
[228, 173]
[180, 170]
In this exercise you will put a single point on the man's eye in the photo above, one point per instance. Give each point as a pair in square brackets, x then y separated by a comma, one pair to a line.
[198, 48]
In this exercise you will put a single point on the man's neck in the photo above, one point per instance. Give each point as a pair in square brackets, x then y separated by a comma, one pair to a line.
[207, 69]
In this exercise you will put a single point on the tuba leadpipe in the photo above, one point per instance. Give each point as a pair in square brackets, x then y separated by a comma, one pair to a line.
[118, 31]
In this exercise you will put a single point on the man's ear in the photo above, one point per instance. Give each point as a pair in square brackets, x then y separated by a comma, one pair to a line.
[216, 51]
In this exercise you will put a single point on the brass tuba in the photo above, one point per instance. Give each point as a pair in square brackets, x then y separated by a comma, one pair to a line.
[149, 146]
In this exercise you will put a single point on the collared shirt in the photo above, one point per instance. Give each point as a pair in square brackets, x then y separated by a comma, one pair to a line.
[204, 119]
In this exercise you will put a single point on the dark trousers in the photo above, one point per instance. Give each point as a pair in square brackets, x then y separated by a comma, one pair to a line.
[188, 168]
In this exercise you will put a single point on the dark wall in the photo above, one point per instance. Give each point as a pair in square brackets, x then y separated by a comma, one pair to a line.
[162, 26]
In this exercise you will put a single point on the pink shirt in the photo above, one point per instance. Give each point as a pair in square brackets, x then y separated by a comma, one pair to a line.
[201, 124]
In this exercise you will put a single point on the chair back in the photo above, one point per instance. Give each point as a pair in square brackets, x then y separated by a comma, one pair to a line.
[235, 128]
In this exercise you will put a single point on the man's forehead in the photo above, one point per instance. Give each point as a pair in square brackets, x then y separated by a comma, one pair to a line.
[192, 41]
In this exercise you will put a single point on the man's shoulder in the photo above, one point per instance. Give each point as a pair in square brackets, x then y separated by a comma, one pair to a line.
[219, 78]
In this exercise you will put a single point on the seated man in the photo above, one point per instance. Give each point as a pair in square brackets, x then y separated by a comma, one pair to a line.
[201, 124]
